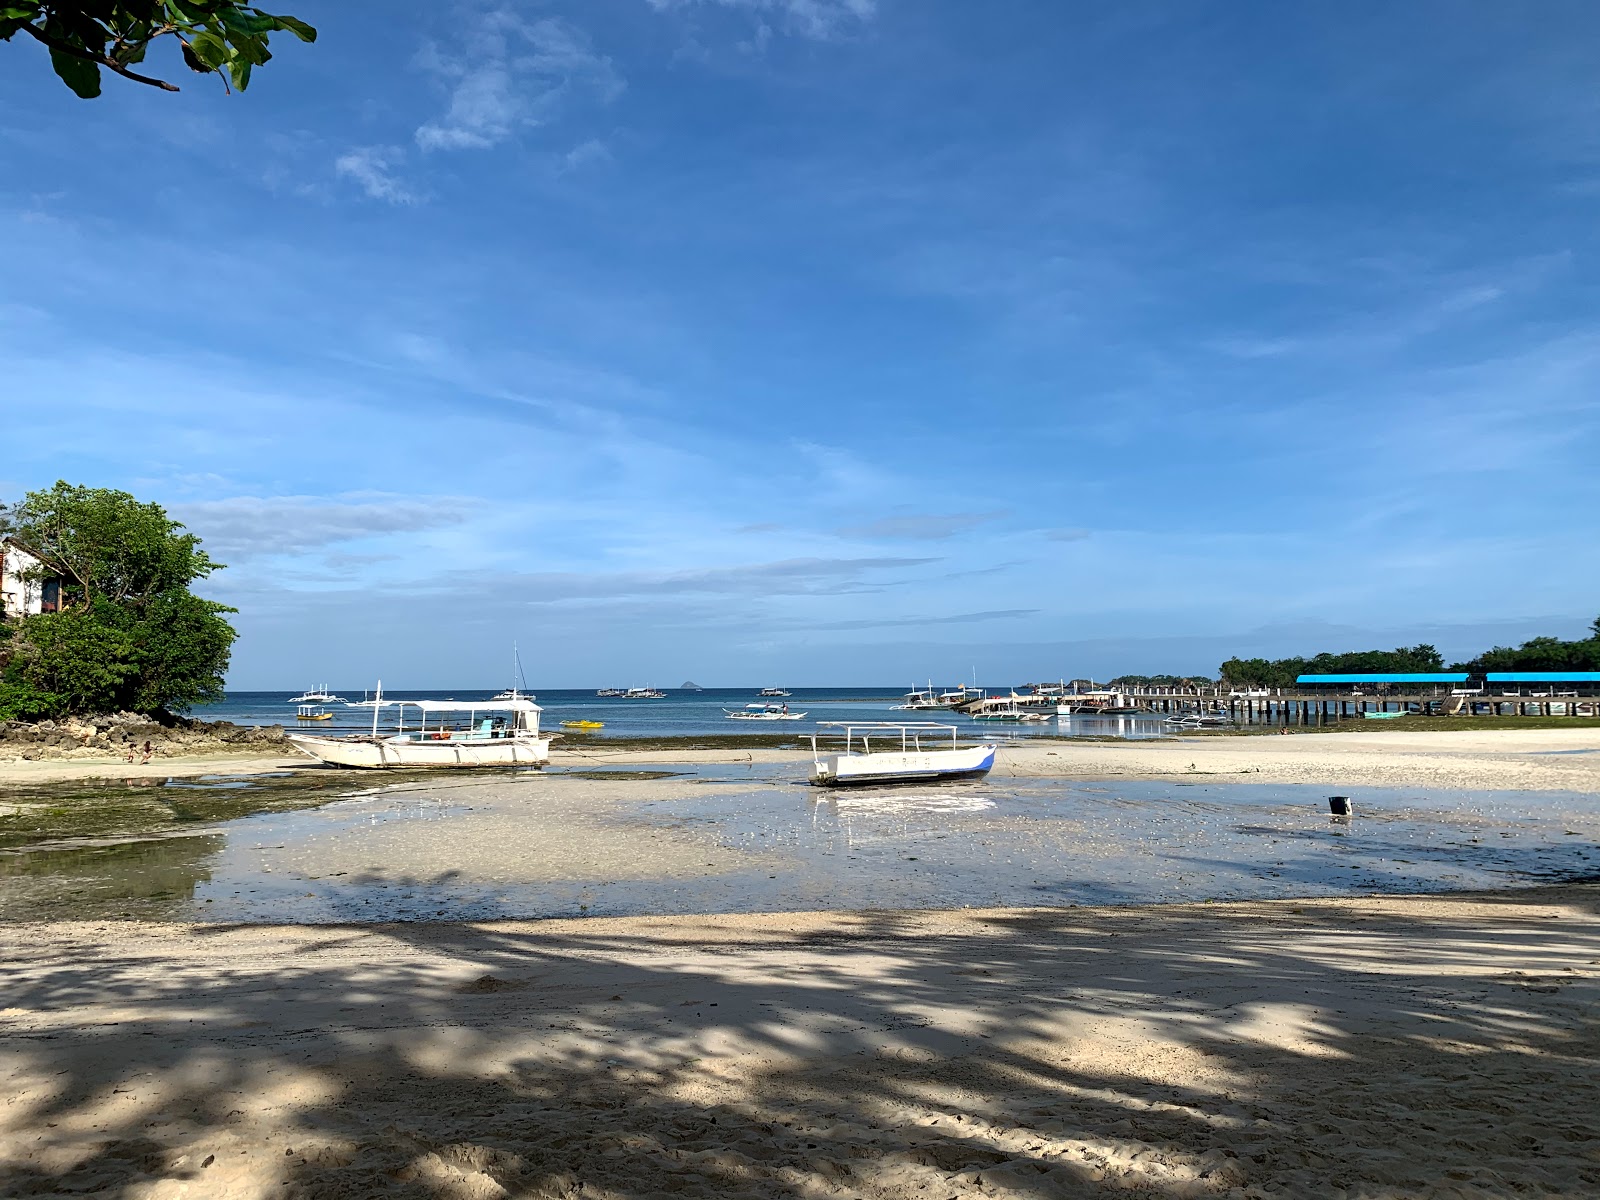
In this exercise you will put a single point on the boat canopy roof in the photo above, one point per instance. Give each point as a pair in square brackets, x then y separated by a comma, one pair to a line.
[452, 705]
[883, 725]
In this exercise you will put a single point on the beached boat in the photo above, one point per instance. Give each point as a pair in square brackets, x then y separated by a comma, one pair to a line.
[316, 695]
[1385, 716]
[310, 712]
[490, 734]
[909, 752]
[762, 712]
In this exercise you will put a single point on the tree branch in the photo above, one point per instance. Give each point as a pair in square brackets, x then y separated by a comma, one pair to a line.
[98, 60]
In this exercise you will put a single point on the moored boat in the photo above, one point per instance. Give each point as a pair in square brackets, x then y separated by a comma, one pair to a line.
[310, 712]
[903, 756]
[762, 712]
[507, 736]
[774, 691]
[316, 695]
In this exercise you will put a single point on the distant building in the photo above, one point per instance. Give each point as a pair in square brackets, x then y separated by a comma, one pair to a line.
[23, 592]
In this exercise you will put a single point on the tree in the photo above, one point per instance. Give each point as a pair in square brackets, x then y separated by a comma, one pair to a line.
[221, 37]
[130, 634]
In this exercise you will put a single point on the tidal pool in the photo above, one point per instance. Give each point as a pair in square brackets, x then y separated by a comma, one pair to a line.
[753, 838]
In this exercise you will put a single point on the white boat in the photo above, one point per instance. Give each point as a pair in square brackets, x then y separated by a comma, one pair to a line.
[913, 751]
[644, 693]
[517, 677]
[762, 712]
[609, 693]
[316, 695]
[462, 736]
[774, 691]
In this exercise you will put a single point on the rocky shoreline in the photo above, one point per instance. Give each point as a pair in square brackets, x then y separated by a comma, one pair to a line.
[118, 734]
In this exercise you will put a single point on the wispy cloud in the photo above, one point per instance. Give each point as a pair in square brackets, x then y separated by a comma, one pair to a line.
[999, 614]
[921, 526]
[817, 19]
[246, 527]
[373, 167]
[510, 73]
[787, 577]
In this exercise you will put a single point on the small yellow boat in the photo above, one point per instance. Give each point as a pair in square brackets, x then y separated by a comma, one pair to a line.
[583, 724]
[307, 713]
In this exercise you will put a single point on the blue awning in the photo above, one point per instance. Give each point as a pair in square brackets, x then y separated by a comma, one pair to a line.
[1543, 676]
[1419, 677]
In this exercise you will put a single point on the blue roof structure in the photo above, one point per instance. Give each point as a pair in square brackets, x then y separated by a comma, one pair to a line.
[1418, 677]
[1543, 676]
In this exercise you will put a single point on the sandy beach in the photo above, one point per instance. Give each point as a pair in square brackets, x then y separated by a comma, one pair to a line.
[1513, 759]
[1440, 1046]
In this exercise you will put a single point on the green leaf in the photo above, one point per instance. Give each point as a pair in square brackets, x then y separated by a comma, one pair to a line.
[241, 21]
[210, 49]
[79, 74]
[299, 28]
[240, 69]
[18, 12]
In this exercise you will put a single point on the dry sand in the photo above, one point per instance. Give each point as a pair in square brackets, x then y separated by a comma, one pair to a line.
[1439, 1046]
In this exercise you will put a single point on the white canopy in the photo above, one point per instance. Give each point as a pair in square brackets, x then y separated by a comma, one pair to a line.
[428, 706]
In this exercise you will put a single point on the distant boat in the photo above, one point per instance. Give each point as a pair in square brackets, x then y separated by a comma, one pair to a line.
[762, 712]
[511, 693]
[905, 758]
[644, 693]
[774, 691]
[316, 695]
[508, 736]
[690, 687]
[583, 724]
[608, 692]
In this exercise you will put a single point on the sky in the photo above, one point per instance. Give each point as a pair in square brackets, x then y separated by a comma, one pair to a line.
[831, 342]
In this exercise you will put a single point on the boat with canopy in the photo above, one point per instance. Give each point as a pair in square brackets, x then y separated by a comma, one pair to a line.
[909, 752]
[448, 733]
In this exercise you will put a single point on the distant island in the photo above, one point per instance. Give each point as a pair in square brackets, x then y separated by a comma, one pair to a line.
[690, 687]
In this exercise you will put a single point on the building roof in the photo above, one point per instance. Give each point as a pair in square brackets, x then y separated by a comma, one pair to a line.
[1543, 676]
[1414, 677]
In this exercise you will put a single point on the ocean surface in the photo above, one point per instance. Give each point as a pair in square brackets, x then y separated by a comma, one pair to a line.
[680, 714]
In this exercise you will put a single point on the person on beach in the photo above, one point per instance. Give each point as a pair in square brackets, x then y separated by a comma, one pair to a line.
[132, 750]
[147, 753]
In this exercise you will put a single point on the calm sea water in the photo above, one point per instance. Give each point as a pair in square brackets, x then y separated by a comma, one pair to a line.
[680, 714]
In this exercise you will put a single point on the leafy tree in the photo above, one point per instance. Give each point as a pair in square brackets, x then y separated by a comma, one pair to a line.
[222, 37]
[1541, 654]
[107, 544]
[130, 634]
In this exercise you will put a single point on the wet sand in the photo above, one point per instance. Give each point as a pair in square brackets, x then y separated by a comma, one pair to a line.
[1536, 759]
[1437, 1046]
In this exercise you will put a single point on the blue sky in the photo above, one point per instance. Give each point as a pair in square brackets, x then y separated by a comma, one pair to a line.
[832, 341]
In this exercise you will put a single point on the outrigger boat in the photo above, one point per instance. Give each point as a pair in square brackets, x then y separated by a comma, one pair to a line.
[762, 712]
[317, 695]
[508, 736]
[905, 758]
[310, 712]
[774, 691]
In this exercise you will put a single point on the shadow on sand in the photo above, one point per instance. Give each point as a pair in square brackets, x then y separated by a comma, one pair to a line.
[1347, 1047]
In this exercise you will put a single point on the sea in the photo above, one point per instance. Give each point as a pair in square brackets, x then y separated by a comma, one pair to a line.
[679, 714]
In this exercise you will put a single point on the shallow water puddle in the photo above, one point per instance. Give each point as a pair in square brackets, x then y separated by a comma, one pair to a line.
[565, 843]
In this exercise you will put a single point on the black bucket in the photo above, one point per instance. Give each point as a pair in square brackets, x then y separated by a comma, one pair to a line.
[1340, 806]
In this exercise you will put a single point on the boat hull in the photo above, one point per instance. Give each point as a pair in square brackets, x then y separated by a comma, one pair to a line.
[911, 766]
[379, 753]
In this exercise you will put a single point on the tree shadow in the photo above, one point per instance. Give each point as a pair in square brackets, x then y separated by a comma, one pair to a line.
[1349, 1046]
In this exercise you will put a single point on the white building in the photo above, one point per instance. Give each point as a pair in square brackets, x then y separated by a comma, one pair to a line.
[21, 596]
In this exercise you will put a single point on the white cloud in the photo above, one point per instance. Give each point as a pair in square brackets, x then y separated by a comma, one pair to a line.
[817, 19]
[373, 168]
[508, 73]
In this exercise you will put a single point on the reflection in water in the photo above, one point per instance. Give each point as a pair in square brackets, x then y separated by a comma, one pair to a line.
[474, 850]
[136, 879]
